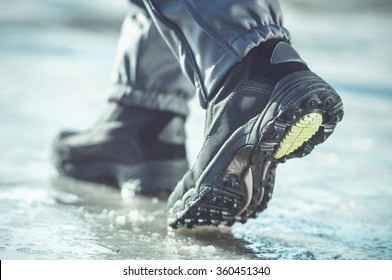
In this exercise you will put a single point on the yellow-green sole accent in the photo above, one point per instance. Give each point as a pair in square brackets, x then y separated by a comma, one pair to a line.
[300, 132]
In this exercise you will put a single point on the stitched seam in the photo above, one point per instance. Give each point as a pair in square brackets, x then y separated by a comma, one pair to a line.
[214, 128]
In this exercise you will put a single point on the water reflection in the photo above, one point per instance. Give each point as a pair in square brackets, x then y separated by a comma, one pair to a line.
[136, 228]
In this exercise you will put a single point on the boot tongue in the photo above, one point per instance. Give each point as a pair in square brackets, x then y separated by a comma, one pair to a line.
[283, 52]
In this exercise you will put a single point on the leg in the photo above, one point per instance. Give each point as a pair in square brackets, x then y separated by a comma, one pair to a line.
[140, 140]
[146, 73]
[209, 38]
[264, 105]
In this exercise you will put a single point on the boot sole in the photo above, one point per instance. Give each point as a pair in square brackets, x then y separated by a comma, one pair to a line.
[146, 178]
[239, 183]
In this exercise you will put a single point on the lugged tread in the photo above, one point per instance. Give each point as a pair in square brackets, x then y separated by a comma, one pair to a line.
[300, 132]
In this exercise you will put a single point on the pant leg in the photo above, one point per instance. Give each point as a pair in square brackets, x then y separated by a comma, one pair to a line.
[146, 73]
[209, 37]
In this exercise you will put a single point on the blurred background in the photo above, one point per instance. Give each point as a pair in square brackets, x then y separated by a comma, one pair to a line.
[55, 62]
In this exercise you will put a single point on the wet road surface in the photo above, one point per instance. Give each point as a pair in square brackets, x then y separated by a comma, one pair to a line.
[55, 59]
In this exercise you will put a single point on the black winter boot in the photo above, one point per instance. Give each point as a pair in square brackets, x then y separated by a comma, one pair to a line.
[269, 108]
[142, 150]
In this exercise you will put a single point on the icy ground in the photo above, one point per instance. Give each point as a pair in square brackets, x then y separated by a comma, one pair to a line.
[55, 59]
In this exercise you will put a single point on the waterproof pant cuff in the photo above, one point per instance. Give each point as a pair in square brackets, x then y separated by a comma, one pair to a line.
[126, 95]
